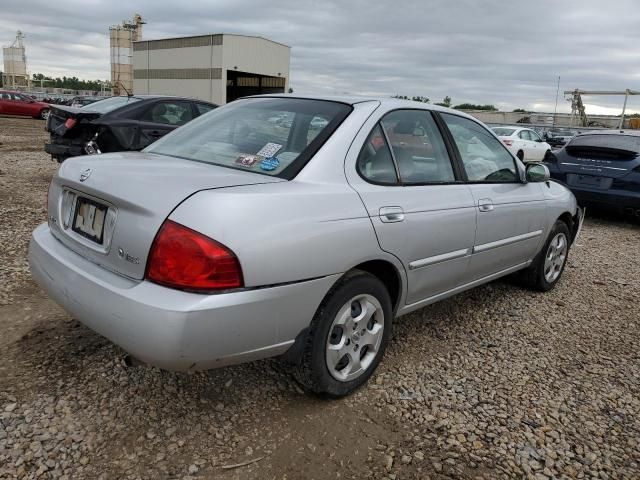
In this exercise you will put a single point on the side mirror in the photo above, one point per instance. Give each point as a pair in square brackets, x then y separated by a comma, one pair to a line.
[537, 172]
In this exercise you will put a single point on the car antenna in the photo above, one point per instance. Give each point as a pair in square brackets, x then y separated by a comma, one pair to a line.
[129, 94]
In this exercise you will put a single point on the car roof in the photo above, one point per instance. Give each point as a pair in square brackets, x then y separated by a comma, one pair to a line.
[635, 133]
[388, 102]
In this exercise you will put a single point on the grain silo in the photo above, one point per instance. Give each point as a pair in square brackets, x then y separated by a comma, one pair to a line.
[121, 41]
[15, 64]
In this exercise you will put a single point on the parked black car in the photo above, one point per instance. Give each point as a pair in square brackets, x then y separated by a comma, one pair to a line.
[601, 169]
[117, 124]
[558, 138]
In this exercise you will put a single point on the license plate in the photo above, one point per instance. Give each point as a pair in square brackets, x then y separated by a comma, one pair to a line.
[88, 219]
[589, 180]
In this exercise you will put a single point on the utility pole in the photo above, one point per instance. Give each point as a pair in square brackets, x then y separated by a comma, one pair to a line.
[555, 111]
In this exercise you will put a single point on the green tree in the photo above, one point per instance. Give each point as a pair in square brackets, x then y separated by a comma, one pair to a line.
[519, 110]
[415, 99]
[471, 106]
[446, 102]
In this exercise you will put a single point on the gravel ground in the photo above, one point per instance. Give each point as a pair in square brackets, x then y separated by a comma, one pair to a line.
[495, 383]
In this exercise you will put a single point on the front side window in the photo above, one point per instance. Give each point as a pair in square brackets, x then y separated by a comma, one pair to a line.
[169, 113]
[272, 136]
[204, 108]
[484, 157]
[417, 146]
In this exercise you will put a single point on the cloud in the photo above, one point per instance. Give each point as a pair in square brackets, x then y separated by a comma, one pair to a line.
[506, 53]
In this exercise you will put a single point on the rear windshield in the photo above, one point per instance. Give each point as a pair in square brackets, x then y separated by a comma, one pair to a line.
[629, 143]
[272, 136]
[105, 106]
[504, 132]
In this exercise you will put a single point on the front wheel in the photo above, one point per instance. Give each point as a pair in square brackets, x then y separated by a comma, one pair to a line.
[347, 336]
[546, 269]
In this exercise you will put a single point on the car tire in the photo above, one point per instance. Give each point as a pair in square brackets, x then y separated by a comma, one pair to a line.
[547, 154]
[547, 267]
[338, 332]
[44, 114]
[520, 155]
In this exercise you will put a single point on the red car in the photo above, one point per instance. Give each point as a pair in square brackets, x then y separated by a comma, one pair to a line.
[15, 103]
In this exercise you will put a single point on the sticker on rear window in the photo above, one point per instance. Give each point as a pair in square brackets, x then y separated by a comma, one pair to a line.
[269, 150]
[246, 160]
[269, 164]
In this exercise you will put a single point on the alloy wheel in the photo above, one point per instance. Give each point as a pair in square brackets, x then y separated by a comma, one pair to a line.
[354, 338]
[555, 257]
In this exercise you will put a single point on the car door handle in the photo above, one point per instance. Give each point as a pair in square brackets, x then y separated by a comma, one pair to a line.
[391, 214]
[485, 205]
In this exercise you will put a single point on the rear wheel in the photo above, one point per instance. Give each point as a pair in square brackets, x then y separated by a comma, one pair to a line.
[347, 336]
[520, 155]
[44, 113]
[547, 267]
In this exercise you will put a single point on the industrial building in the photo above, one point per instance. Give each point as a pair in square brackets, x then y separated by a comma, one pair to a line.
[218, 68]
[15, 74]
[121, 38]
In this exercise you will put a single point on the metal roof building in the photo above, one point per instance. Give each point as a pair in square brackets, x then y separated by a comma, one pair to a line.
[218, 68]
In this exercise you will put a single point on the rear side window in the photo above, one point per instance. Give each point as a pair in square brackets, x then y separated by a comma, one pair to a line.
[524, 135]
[405, 147]
[484, 157]
[417, 147]
[375, 163]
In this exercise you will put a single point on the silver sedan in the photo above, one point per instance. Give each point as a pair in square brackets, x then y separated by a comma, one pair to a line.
[295, 226]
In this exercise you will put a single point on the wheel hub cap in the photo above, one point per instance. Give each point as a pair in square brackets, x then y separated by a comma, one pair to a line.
[555, 257]
[354, 338]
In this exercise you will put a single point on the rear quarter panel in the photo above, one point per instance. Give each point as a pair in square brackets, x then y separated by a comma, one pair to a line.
[286, 232]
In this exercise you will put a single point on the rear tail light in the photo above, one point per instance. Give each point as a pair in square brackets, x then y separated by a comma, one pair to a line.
[185, 259]
[70, 123]
[508, 143]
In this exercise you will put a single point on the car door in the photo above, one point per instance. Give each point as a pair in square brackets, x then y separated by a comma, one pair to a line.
[540, 146]
[22, 105]
[6, 105]
[526, 145]
[511, 213]
[162, 117]
[421, 212]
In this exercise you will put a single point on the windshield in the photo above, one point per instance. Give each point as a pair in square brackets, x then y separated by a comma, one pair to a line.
[104, 106]
[272, 136]
[504, 132]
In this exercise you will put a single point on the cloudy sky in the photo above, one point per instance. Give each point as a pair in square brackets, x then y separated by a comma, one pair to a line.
[508, 53]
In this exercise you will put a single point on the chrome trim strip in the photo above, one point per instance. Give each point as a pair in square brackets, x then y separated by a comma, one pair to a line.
[440, 296]
[506, 241]
[438, 258]
[593, 166]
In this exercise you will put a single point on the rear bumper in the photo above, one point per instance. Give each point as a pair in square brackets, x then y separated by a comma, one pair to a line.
[615, 199]
[168, 328]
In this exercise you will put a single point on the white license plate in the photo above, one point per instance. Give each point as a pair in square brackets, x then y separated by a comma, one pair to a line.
[88, 219]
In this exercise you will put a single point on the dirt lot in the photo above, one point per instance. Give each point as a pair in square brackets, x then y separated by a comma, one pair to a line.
[496, 383]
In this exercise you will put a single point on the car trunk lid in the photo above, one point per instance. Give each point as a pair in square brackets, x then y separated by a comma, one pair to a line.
[122, 199]
[64, 119]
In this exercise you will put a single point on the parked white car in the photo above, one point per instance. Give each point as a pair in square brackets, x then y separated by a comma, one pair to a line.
[524, 143]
